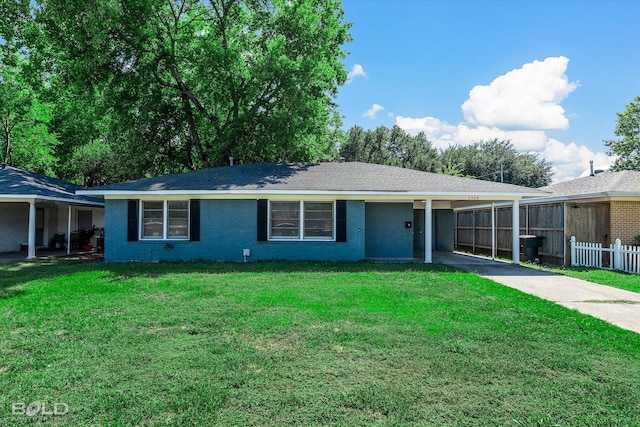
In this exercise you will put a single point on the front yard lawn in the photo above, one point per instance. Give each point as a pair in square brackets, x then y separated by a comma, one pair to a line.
[616, 279]
[301, 343]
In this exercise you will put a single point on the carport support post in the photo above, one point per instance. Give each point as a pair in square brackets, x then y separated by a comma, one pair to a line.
[515, 228]
[31, 251]
[69, 232]
[427, 231]
[493, 231]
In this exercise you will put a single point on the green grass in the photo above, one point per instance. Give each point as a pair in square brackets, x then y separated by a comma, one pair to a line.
[305, 344]
[616, 279]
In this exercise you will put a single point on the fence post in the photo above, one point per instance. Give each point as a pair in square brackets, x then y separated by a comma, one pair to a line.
[617, 255]
[573, 251]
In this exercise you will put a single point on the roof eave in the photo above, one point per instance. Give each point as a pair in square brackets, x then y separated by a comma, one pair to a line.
[467, 195]
[27, 197]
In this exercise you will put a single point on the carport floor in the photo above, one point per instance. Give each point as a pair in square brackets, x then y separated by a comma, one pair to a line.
[48, 254]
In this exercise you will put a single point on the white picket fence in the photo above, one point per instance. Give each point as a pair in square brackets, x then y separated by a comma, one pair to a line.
[621, 257]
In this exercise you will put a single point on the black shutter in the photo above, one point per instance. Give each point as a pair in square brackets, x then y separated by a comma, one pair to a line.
[194, 219]
[341, 220]
[132, 221]
[262, 220]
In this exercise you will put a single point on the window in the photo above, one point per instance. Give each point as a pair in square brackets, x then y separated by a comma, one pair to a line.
[152, 220]
[318, 220]
[178, 220]
[285, 220]
[165, 220]
[301, 220]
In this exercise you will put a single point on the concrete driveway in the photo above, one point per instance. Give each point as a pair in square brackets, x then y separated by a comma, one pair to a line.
[616, 306]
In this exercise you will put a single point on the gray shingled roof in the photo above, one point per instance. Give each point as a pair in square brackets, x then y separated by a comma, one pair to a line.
[348, 176]
[16, 182]
[606, 183]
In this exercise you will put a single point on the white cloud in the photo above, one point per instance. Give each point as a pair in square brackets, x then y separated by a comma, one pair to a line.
[371, 112]
[434, 129]
[390, 114]
[572, 160]
[525, 98]
[443, 134]
[356, 70]
[519, 106]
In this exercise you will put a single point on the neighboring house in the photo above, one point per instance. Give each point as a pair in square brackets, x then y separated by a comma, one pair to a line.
[598, 209]
[38, 211]
[323, 211]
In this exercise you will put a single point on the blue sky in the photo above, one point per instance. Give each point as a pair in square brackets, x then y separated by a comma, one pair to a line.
[549, 75]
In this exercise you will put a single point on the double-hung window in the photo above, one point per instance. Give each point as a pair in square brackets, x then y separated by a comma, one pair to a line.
[167, 219]
[302, 220]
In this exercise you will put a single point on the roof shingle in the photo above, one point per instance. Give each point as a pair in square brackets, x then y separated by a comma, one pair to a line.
[18, 182]
[627, 182]
[348, 176]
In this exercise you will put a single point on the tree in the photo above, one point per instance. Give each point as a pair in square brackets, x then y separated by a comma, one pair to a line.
[96, 163]
[628, 146]
[392, 147]
[25, 140]
[13, 14]
[497, 160]
[184, 84]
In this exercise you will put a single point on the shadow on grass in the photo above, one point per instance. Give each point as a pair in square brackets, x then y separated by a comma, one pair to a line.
[14, 274]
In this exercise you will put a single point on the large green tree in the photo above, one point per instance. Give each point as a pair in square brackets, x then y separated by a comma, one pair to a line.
[498, 160]
[25, 140]
[628, 146]
[170, 85]
[491, 160]
[393, 147]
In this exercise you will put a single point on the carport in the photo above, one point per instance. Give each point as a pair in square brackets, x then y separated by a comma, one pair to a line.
[37, 211]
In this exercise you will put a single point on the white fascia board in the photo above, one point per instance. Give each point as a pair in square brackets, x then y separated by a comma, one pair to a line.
[31, 197]
[601, 196]
[71, 201]
[20, 198]
[592, 197]
[624, 196]
[349, 195]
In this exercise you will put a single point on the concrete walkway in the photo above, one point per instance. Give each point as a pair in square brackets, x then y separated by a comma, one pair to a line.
[616, 306]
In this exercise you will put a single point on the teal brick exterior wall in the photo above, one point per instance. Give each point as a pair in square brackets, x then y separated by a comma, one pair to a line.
[226, 228]
[443, 230]
[386, 235]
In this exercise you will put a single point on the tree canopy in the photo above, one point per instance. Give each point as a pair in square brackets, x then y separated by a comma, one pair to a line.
[25, 139]
[161, 86]
[498, 160]
[628, 146]
[389, 147]
[492, 160]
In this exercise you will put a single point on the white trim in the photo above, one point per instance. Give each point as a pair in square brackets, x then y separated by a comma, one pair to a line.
[593, 197]
[165, 217]
[515, 232]
[428, 231]
[564, 233]
[31, 249]
[69, 231]
[22, 197]
[342, 195]
[493, 231]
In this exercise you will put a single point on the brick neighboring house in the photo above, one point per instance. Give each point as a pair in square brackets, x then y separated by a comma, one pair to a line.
[625, 221]
[598, 209]
[292, 211]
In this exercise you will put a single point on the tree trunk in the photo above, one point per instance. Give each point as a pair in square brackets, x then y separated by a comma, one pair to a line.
[7, 142]
[193, 130]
